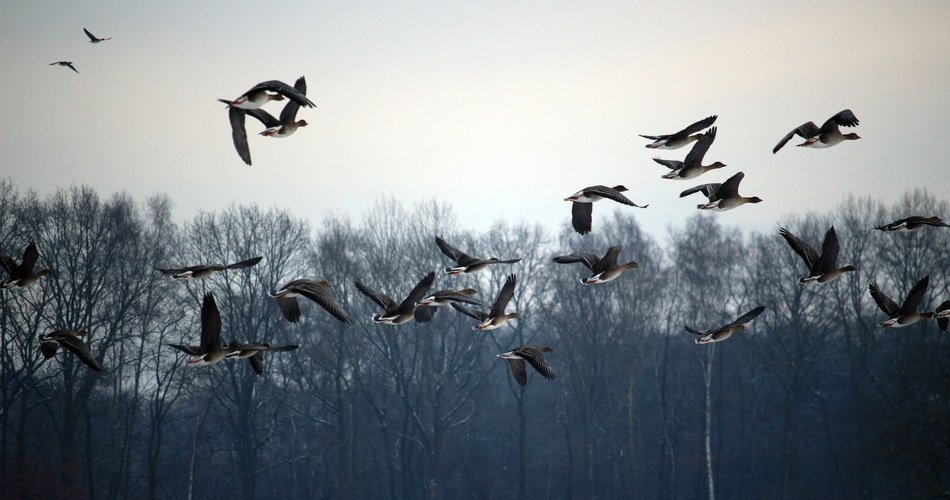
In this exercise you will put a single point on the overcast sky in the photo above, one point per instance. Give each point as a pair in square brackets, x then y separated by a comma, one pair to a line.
[500, 108]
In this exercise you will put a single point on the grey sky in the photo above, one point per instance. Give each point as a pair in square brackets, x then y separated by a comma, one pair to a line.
[501, 109]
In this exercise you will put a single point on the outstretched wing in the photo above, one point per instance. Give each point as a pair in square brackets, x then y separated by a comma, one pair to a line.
[883, 301]
[698, 151]
[479, 315]
[708, 190]
[507, 291]
[384, 301]
[417, 293]
[804, 250]
[829, 252]
[745, 318]
[914, 297]
[805, 130]
[588, 259]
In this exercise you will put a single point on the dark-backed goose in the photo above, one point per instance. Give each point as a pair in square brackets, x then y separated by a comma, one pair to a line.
[71, 340]
[202, 271]
[913, 223]
[497, 316]
[582, 204]
[692, 166]
[906, 314]
[681, 138]
[826, 136]
[604, 268]
[516, 360]
[723, 196]
[22, 275]
[466, 263]
[724, 332]
[821, 268]
[397, 314]
[315, 290]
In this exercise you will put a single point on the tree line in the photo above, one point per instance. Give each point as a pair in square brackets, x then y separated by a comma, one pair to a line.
[813, 401]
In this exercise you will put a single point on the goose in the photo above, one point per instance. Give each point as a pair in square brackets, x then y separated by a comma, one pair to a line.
[427, 307]
[942, 313]
[826, 136]
[821, 268]
[604, 268]
[582, 204]
[906, 314]
[285, 126]
[516, 361]
[68, 64]
[315, 290]
[271, 90]
[692, 166]
[724, 332]
[466, 263]
[681, 138]
[913, 223]
[497, 316]
[202, 271]
[211, 350]
[396, 314]
[93, 38]
[71, 340]
[22, 275]
[254, 353]
[723, 196]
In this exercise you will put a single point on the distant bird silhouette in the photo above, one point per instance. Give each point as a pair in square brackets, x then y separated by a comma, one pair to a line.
[724, 332]
[68, 64]
[72, 341]
[22, 275]
[202, 271]
[692, 166]
[723, 196]
[396, 314]
[315, 290]
[466, 263]
[582, 206]
[604, 268]
[912, 223]
[497, 316]
[906, 314]
[516, 361]
[821, 268]
[826, 136]
[681, 138]
[93, 38]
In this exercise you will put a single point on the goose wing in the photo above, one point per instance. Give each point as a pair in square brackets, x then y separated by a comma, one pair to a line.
[804, 250]
[75, 345]
[581, 216]
[507, 291]
[608, 261]
[210, 324]
[914, 297]
[284, 90]
[536, 360]
[244, 263]
[417, 293]
[588, 259]
[453, 253]
[709, 190]
[698, 151]
[382, 300]
[829, 252]
[321, 296]
[473, 313]
[883, 301]
[805, 130]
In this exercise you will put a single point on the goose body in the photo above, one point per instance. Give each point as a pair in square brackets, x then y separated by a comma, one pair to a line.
[465, 262]
[315, 290]
[604, 268]
[403, 312]
[692, 166]
[21, 275]
[826, 136]
[912, 223]
[724, 332]
[906, 314]
[822, 268]
[582, 204]
[723, 196]
[517, 357]
[681, 138]
[497, 316]
[202, 271]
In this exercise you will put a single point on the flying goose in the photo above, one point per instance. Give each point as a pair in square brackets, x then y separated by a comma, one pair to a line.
[724, 332]
[466, 263]
[516, 361]
[427, 307]
[211, 350]
[22, 275]
[604, 268]
[821, 268]
[72, 341]
[396, 314]
[497, 316]
[582, 204]
[826, 136]
[692, 166]
[913, 223]
[906, 314]
[93, 38]
[315, 290]
[285, 126]
[254, 353]
[68, 64]
[202, 271]
[681, 138]
[723, 196]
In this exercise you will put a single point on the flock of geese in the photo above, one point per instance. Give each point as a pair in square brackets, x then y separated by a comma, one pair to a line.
[420, 305]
